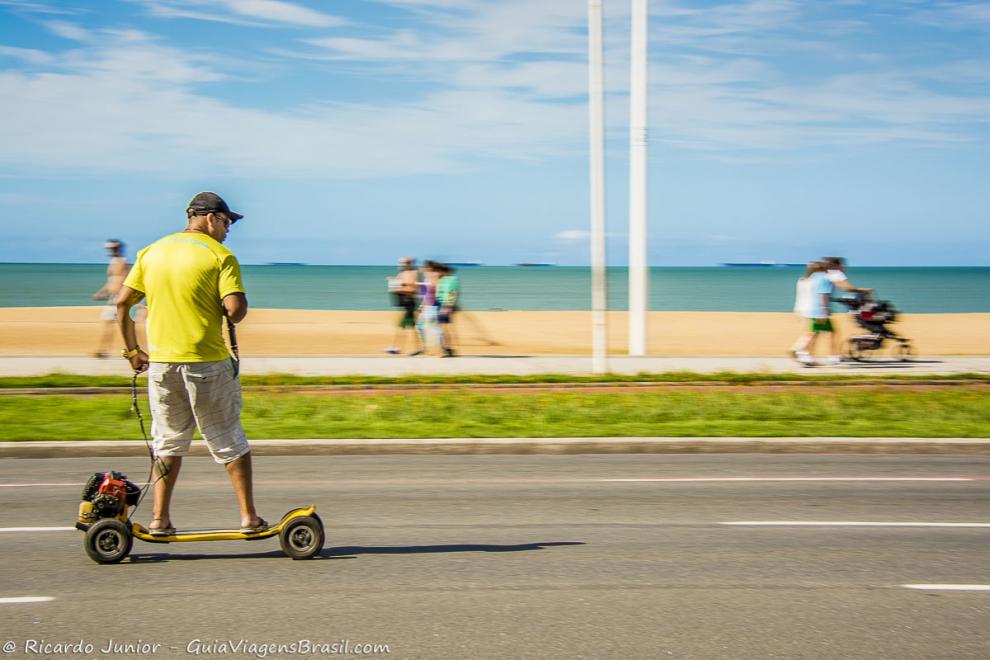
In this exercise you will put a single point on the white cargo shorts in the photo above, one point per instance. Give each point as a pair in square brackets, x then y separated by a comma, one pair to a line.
[189, 395]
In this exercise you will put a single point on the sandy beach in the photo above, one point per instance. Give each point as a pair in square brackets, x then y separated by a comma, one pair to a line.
[27, 331]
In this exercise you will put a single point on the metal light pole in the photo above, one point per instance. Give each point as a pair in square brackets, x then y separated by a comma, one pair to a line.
[596, 113]
[638, 269]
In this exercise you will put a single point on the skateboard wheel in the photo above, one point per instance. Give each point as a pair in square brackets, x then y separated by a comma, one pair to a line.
[302, 538]
[108, 541]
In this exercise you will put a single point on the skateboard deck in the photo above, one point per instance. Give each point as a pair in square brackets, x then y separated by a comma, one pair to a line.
[141, 532]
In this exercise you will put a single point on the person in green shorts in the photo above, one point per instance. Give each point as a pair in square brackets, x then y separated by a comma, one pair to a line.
[403, 288]
[821, 325]
[818, 313]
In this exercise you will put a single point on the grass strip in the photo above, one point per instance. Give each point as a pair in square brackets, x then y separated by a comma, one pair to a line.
[426, 414]
[57, 381]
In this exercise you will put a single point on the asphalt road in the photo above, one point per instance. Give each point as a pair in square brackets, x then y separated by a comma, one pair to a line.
[620, 556]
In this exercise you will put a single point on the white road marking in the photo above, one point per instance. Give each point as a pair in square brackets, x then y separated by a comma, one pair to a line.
[846, 523]
[948, 587]
[37, 529]
[677, 479]
[25, 599]
[34, 485]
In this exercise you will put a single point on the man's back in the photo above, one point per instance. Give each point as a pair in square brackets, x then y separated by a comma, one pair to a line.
[184, 277]
[116, 272]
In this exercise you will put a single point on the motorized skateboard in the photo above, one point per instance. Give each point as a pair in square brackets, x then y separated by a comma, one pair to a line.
[109, 540]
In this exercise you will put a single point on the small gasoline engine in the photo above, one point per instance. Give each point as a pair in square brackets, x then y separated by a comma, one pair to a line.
[106, 495]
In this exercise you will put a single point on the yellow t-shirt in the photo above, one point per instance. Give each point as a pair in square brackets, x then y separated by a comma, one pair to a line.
[184, 278]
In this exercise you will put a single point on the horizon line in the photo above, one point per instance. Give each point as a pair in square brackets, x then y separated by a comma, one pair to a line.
[538, 266]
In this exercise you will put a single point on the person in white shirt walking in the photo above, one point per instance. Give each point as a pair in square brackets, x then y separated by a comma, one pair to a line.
[804, 308]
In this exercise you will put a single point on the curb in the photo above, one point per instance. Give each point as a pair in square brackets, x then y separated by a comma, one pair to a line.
[455, 446]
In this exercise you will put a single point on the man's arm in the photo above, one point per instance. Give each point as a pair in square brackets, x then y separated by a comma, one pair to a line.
[235, 305]
[844, 284]
[116, 274]
[104, 292]
[126, 299]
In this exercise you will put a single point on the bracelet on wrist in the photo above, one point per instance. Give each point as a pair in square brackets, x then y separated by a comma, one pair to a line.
[129, 353]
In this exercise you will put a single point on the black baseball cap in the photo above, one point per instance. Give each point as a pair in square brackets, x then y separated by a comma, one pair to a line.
[210, 202]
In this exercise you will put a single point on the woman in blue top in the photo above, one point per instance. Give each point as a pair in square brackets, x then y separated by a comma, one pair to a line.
[819, 312]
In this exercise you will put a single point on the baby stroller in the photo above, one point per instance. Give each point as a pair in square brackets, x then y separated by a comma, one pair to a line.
[873, 316]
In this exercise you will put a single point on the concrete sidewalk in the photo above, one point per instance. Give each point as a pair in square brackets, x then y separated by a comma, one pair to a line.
[375, 365]
[680, 445]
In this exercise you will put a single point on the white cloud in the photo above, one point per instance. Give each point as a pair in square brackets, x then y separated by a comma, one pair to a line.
[29, 55]
[35, 7]
[21, 199]
[578, 235]
[138, 105]
[573, 235]
[727, 27]
[546, 79]
[281, 12]
[955, 15]
[471, 32]
[69, 31]
[257, 13]
[500, 80]
[776, 114]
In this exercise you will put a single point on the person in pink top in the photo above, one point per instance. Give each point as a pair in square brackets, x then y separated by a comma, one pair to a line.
[426, 322]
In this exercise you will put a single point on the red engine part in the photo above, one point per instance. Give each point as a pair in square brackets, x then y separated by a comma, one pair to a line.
[113, 487]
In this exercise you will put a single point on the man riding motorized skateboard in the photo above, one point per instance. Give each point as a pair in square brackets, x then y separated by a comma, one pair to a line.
[191, 282]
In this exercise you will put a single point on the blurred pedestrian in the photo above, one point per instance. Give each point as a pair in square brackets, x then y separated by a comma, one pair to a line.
[403, 288]
[448, 291]
[117, 270]
[835, 271]
[819, 311]
[426, 319]
[804, 308]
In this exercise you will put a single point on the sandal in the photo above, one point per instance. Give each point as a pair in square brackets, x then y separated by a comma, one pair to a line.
[262, 526]
[161, 531]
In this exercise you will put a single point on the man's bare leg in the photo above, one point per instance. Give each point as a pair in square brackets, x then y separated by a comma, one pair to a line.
[241, 476]
[102, 350]
[166, 473]
[452, 333]
[397, 339]
[416, 339]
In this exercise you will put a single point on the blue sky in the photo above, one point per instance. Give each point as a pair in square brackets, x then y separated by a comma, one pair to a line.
[351, 132]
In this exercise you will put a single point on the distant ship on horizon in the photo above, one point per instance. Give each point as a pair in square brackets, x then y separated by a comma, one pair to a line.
[760, 264]
[528, 264]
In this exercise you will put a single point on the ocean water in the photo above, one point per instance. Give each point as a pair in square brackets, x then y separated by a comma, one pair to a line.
[913, 290]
